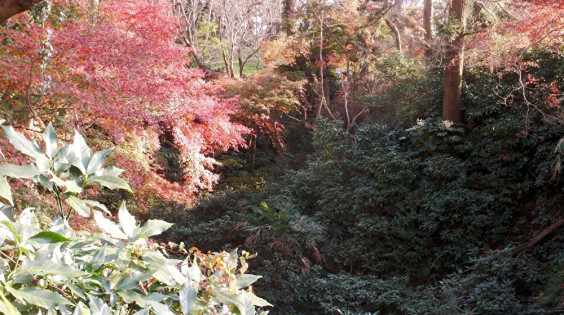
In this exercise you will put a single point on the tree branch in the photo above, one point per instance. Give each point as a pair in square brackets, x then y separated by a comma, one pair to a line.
[539, 237]
[9, 8]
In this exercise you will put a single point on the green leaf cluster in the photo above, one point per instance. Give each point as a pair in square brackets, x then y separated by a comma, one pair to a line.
[48, 267]
[64, 171]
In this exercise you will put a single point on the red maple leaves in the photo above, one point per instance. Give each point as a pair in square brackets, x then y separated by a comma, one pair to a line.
[122, 73]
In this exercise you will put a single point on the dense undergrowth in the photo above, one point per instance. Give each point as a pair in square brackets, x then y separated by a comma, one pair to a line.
[409, 214]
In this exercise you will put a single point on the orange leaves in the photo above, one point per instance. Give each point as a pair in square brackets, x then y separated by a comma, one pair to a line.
[282, 50]
[524, 24]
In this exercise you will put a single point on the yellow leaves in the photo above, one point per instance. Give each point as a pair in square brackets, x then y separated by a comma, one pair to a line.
[282, 50]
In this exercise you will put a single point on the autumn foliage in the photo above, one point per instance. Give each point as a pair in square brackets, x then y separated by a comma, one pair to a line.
[116, 72]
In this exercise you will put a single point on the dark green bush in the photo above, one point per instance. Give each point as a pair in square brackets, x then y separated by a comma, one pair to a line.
[412, 214]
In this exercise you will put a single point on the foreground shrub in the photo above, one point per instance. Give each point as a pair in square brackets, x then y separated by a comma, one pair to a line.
[47, 266]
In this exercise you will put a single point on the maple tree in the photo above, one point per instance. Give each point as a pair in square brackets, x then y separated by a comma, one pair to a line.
[500, 34]
[265, 99]
[121, 77]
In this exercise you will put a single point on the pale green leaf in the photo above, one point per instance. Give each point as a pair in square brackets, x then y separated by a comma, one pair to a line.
[98, 307]
[21, 143]
[58, 181]
[72, 186]
[194, 273]
[244, 281]
[19, 171]
[164, 275]
[49, 237]
[76, 291]
[257, 301]
[245, 306]
[131, 297]
[109, 181]
[109, 171]
[6, 306]
[43, 163]
[78, 205]
[62, 159]
[81, 309]
[50, 139]
[187, 297]
[160, 309]
[15, 234]
[5, 190]
[46, 182]
[6, 213]
[99, 258]
[154, 227]
[96, 204]
[131, 281]
[46, 267]
[127, 221]
[40, 297]
[166, 270]
[108, 226]
[80, 153]
[145, 311]
[157, 297]
[97, 161]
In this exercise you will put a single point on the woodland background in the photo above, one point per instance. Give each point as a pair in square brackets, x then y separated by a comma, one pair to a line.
[384, 156]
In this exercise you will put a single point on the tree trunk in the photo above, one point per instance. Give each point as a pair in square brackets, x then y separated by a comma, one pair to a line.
[200, 62]
[454, 64]
[241, 66]
[396, 32]
[9, 8]
[428, 26]
[321, 72]
[230, 60]
[287, 14]
[243, 61]
[225, 62]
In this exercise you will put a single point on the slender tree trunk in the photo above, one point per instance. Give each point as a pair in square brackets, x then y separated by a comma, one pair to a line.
[225, 61]
[201, 64]
[396, 32]
[241, 66]
[287, 14]
[9, 8]
[243, 61]
[240, 62]
[454, 64]
[321, 72]
[230, 60]
[428, 26]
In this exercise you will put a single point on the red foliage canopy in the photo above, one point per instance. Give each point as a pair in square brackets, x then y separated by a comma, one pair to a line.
[122, 73]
